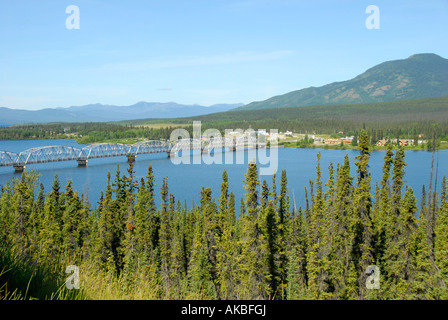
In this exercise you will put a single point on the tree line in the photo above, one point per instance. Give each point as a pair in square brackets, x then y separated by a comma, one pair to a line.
[419, 119]
[83, 132]
[256, 247]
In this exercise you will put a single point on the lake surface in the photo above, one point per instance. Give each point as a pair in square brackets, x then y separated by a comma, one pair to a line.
[186, 180]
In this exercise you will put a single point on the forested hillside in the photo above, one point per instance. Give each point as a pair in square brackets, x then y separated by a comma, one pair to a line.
[380, 120]
[257, 247]
[419, 76]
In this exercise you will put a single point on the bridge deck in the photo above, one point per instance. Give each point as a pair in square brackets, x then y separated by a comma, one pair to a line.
[50, 154]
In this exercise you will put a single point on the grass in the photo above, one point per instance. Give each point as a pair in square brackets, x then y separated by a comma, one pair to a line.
[98, 285]
[25, 280]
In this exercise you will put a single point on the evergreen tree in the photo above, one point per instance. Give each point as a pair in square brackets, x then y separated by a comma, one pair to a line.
[441, 244]
[22, 204]
[283, 223]
[254, 272]
[270, 231]
[103, 247]
[422, 272]
[50, 234]
[146, 222]
[36, 219]
[341, 231]
[382, 214]
[296, 268]
[165, 237]
[362, 207]
[226, 268]
[71, 225]
[199, 281]
[317, 263]
[398, 265]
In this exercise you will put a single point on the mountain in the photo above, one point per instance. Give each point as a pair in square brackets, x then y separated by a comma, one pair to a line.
[419, 76]
[101, 113]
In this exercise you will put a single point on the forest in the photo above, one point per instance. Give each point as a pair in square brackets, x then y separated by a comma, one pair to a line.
[84, 132]
[258, 247]
[413, 119]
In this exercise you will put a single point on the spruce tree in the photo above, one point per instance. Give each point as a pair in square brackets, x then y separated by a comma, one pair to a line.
[71, 226]
[440, 261]
[254, 271]
[362, 207]
[422, 273]
[270, 231]
[296, 268]
[283, 224]
[165, 237]
[317, 266]
[383, 207]
[225, 253]
[22, 205]
[341, 232]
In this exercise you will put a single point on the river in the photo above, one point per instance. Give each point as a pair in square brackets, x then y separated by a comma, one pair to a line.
[186, 180]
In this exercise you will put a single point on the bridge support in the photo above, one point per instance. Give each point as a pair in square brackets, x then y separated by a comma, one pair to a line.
[82, 163]
[131, 158]
[19, 168]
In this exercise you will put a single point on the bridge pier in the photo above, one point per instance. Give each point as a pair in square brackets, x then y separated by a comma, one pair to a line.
[82, 163]
[19, 168]
[131, 158]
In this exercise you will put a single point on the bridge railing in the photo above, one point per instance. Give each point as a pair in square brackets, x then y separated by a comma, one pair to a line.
[7, 158]
[151, 146]
[103, 150]
[186, 145]
[47, 154]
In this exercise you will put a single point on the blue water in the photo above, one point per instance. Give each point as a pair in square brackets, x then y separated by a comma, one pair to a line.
[186, 180]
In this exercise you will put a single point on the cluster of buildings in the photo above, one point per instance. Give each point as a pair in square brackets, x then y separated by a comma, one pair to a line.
[401, 142]
[336, 141]
[346, 140]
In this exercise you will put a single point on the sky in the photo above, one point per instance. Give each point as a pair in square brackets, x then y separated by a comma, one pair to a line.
[200, 51]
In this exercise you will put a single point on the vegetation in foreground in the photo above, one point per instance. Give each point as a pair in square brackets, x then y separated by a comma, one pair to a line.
[126, 248]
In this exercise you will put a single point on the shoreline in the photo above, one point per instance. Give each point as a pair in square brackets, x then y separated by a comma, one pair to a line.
[280, 145]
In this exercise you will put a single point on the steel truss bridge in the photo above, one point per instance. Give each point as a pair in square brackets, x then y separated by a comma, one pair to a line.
[104, 150]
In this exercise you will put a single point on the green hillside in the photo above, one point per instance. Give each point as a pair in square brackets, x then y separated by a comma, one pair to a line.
[405, 118]
[429, 109]
[419, 76]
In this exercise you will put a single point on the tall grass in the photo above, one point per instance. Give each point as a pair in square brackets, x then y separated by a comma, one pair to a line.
[22, 279]
[25, 280]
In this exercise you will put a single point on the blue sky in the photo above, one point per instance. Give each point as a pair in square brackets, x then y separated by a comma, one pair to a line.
[200, 51]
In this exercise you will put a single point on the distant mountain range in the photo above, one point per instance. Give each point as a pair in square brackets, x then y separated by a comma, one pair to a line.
[419, 76]
[100, 113]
